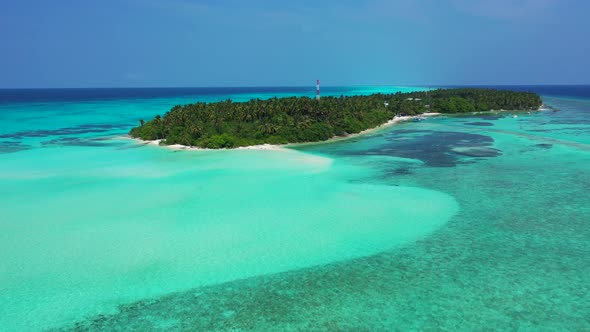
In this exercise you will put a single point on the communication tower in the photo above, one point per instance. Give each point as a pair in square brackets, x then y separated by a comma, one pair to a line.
[317, 90]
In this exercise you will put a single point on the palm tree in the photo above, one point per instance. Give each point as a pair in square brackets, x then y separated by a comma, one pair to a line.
[195, 130]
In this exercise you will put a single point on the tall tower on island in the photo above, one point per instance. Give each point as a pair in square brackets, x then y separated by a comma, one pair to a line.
[317, 90]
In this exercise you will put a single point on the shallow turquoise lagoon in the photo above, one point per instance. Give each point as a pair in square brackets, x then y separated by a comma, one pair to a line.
[452, 223]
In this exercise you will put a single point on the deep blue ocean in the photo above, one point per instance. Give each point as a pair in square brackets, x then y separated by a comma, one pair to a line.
[94, 94]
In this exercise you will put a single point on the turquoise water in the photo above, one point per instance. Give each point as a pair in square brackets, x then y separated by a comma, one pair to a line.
[457, 223]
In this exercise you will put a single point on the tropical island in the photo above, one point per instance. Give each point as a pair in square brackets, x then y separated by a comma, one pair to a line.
[228, 124]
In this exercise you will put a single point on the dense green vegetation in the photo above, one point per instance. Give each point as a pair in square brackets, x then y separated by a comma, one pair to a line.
[228, 124]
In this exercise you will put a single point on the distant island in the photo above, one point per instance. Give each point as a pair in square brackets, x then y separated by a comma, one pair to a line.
[228, 124]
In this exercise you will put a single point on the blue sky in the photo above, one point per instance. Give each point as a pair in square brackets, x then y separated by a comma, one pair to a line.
[170, 43]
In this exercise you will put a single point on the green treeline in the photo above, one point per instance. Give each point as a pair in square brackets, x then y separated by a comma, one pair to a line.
[228, 124]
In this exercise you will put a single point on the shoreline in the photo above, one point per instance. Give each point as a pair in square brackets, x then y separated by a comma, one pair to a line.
[283, 147]
[179, 147]
[387, 124]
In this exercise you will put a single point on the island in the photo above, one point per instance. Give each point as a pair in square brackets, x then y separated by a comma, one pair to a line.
[228, 124]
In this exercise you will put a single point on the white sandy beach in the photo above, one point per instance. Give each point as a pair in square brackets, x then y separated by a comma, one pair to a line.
[156, 142]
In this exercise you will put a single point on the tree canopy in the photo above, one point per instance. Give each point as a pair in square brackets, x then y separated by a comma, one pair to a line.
[228, 124]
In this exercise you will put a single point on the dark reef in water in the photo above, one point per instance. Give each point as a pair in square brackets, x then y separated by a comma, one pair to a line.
[11, 146]
[77, 141]
[476, 123]
[544, 145]
[477, 152]
[77, 130]
[399, 171]
[434, 148]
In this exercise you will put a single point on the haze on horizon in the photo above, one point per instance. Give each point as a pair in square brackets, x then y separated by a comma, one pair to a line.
[170, 43]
